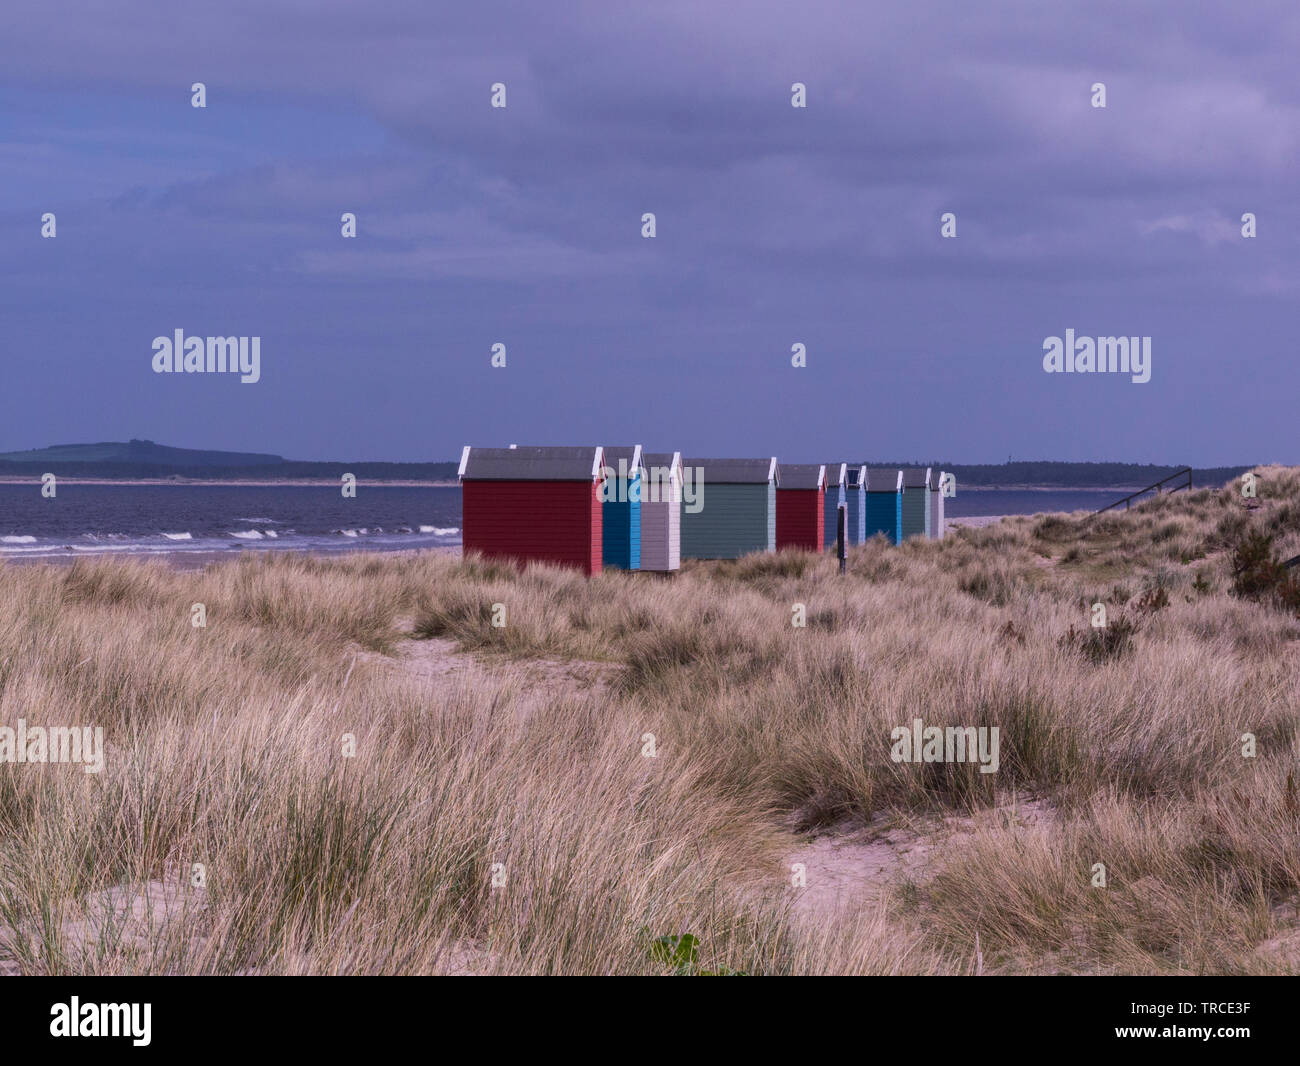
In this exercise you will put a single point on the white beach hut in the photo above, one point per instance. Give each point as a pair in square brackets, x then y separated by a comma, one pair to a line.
[661, 510]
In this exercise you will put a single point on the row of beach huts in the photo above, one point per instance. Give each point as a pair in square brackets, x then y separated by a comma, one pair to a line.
[593, 507]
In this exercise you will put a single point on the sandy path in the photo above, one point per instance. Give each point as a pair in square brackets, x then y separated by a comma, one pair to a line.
[853, 866]
[440, 664]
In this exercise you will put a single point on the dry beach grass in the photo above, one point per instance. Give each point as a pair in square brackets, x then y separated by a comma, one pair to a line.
[523, 746]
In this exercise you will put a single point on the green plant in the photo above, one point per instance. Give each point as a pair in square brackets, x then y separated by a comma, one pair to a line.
[681, 953]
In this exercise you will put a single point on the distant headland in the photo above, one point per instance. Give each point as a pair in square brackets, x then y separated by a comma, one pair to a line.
[143, 460]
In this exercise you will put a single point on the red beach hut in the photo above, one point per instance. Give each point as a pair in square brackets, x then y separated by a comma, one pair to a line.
[533, 505]
[800, 504]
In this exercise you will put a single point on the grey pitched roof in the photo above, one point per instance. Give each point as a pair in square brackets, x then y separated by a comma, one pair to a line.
[629, 455]
[882, 479]
[530, 464]
[802, 475]
[736, 471]
[660, 460]
[625, 452]
[836, 474]
[916, 477]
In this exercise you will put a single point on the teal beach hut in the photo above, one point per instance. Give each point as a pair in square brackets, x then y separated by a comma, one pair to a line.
[728, 507]
[621, 508]
[916, 502]
[884, 503]
[835, 474]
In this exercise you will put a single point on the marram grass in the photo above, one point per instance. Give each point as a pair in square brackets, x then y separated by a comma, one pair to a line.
[282, 794]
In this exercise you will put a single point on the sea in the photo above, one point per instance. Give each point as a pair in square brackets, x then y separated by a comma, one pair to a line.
[169, 519]
[974, 502]
[107, 519]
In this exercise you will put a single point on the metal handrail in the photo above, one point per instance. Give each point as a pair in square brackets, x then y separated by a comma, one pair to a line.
[1127, 500]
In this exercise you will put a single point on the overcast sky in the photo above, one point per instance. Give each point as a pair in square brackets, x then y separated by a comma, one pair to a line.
[775, 225]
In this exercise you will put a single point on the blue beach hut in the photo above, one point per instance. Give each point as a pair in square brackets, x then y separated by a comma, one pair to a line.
[621, 508]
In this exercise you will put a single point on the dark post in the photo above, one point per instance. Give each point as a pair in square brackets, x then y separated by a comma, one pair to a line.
[841, 535]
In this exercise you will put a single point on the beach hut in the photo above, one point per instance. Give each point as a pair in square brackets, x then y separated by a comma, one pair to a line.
[621, 508]
[884, 503]
[733, 509]
[855, 495]
[835, 489]
[801, 507]
[916, 502]
[661, 510]
[533, 505]
[936, 507]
